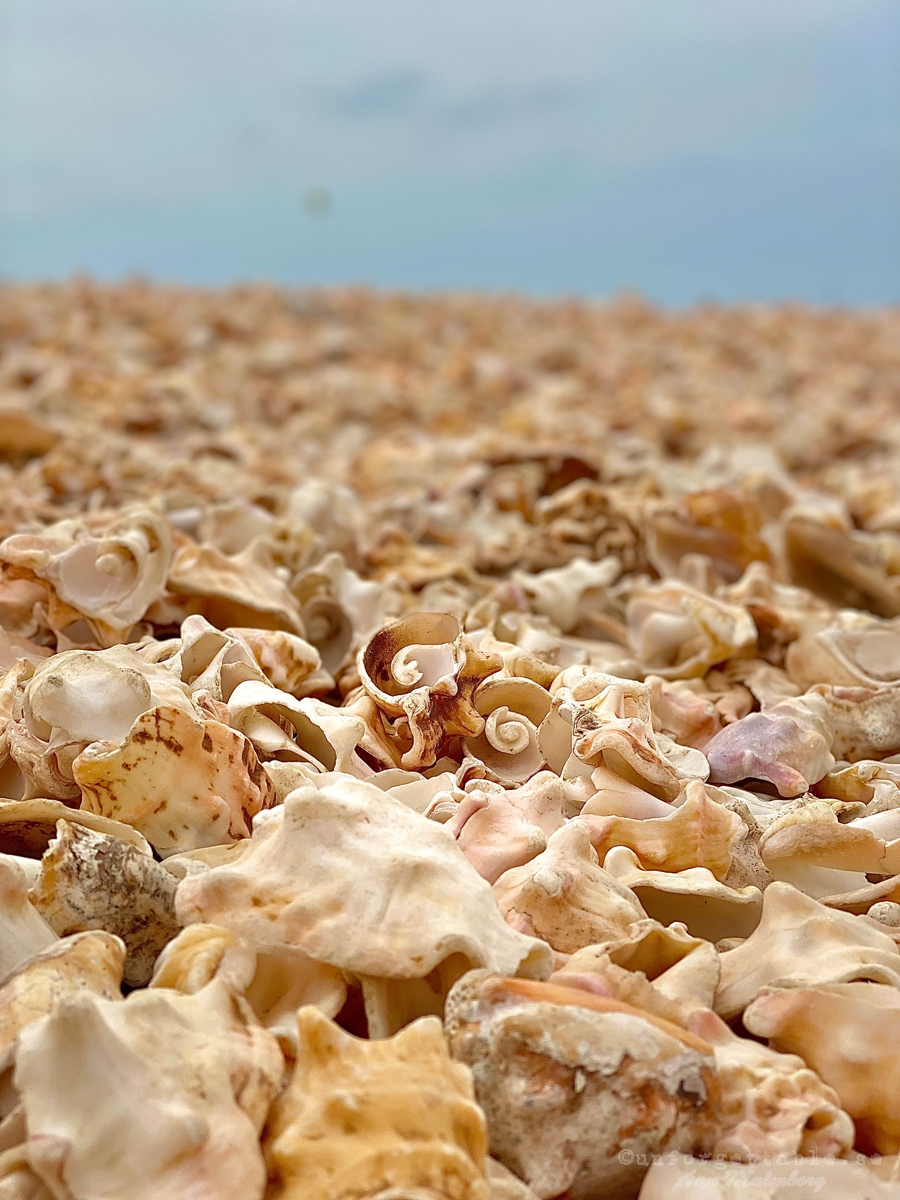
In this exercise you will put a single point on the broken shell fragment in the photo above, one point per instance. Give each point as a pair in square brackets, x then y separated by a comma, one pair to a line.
[90, 880]
[569, 1080]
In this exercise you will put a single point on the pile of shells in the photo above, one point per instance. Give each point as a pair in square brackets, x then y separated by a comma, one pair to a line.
[449, 749]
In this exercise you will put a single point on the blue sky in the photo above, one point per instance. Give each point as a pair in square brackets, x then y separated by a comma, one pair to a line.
[686, 149]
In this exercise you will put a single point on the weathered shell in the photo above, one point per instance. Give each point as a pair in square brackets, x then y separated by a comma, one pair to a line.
[194, 1077]
[769, 1103]
[180, 781]
[601, 720]
[27, 827]
[392, 1118]
[700, 833]
[856, 650]
[275, 985]
[355, 879]
[324, 736]
[849, 1034]
[800, 943]
[565, 897]
[229, 590]
[706, 906]
[90, 880]
[569, 1080]
[23, 931]
[109, 568]
[788, 745]
[85, 962]
[79, 697]
[678, 632]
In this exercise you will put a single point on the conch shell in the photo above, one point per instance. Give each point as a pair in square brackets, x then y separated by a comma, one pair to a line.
[678, 632]
[568, 1080]
[423, 917]
[699, 833]
[849, 1033]
[195, 1076]
[23, 931]
[389, 1119]
[107, 569]
[770, 1103]
[788, 744]
[79, 697]
[800, 943]
[181, 781]
[565, 897]
[85, 962]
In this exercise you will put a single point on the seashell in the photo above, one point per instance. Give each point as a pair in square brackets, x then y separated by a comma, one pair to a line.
[494, 834]
[211, 660]
[108, 567]
[235, 590]
[843, 567]
[569, 1080]
[681, 713]
[801, 943]
[414, 790]
[79, 697]
[513, 709]
[769, 1103]
[274, 985]
[864, 723]
[681, 967]
[182, 782]
[286, 660]
[788, 745]
[611, 726]
[694, 897]
[700, 833]
[809, 848]
[564, 896]
[614, 797]
[324, 736]
[503, 1185]
[848, 1033]
[17, 1180]
[825, 1178]
[422, 917]
[27, 827]
[855, 650]
[390, 1119]
[679, 633]
[425, 670]
[23, 931]
[565, 594]
[722, 523]
[91, 880]
[85, 962]
[194, 1079]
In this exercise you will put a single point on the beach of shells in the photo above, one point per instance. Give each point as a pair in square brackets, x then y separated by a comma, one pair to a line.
[449, 748]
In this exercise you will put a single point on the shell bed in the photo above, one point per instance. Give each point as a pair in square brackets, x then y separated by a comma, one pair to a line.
[449, 748]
